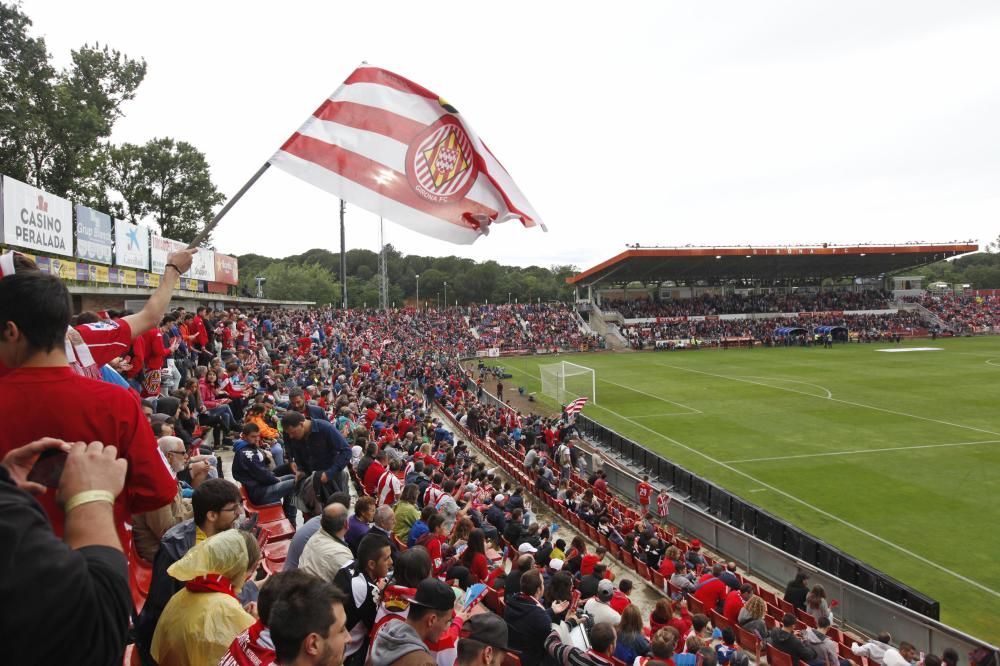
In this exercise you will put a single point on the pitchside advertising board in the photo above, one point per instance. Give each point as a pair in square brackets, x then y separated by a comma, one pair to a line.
[131, 245]
[36, 219]
[93, 235]
[159, 249]
[203, 265]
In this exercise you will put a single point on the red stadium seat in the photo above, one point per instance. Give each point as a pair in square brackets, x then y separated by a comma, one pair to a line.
[140, 575]
[768, 596]
[642, 569]
[776, 657]
[658, 580]
[718, 620]
[785, 606]
[749, 641]
[806, 618]
[694, 605]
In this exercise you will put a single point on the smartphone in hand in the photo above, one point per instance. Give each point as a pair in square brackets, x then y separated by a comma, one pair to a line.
[48, 468]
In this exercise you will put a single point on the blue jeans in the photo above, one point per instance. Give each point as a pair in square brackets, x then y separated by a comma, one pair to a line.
[278, 453]
[226, 414]
[282, 491]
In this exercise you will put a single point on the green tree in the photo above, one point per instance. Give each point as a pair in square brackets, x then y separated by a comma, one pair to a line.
[53, 124]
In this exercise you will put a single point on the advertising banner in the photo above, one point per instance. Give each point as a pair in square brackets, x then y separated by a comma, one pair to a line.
[203, 266]
[93, 235]
[99, 274]
[131, 245]
[35, 219]
[63, 269]
[160, 248]
[128, 278]
[226, 269]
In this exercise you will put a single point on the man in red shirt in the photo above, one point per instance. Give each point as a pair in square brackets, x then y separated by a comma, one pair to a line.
[44, 397]
[710, 590]
[601, 483]
[105, 341]
[374, 473]
[590, 559]
[644, 492]
[734, 602]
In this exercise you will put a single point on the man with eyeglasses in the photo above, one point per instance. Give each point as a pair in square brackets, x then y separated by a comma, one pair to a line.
[217, 505]
[148, 528]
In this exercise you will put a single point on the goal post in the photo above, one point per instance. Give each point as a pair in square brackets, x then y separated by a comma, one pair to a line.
[566, 381]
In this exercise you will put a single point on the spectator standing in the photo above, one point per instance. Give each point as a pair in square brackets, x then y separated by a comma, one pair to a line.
[316, 447]
[796, 591]
[34, 316]
[644, 492]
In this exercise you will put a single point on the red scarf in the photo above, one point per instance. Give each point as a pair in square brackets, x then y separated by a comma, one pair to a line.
[211, 583]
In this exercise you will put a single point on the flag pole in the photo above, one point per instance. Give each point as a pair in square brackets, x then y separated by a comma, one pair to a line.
[343, 258]
[203, 234]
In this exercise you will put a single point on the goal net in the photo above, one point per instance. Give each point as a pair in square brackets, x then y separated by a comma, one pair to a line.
[566, 381]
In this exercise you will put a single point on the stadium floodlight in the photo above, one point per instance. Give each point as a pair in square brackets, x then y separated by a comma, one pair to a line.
[566, 381]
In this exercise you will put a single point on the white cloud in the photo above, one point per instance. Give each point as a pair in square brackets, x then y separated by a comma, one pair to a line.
[660, 123]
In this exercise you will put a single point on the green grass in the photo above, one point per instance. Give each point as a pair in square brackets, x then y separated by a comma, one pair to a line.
[738, 417]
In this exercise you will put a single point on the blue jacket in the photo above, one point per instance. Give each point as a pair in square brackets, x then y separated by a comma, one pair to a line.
[250, 469]
[323, 450]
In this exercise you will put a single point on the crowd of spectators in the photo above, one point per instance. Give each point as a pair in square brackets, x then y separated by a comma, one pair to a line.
[541, 327]
[710, 304]
[117, 424]
[965, 315]
[859, 328]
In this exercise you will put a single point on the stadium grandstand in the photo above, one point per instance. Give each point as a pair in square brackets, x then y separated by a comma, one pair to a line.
[310, 451]
[743, 296]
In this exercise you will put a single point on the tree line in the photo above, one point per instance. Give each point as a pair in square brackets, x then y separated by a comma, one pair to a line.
[315, 276]
[55, 128]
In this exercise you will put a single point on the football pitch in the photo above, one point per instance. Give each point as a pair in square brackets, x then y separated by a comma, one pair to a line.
[892, 457]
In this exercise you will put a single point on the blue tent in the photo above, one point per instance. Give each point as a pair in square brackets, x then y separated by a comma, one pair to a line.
[790, 330]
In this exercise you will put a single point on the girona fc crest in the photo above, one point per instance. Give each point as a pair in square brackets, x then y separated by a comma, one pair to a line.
[441, 163]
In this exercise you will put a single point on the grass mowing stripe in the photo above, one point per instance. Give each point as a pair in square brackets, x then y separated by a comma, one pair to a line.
[804, 503]
[846, 453]
[845, 402]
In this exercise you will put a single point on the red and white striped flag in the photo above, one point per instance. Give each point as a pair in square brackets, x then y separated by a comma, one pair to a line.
[394, 148]
[576, 406]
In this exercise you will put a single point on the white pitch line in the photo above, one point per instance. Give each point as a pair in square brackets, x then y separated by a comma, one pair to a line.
[840, 400]
[989, 361]
[847, 453]
[822, 512]
[829, 394]
[650, 395]
[653, 416]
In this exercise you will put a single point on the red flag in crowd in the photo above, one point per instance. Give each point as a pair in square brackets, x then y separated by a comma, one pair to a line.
[392, 147]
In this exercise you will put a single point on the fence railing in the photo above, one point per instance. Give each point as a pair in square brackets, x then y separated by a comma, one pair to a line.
[775, 551]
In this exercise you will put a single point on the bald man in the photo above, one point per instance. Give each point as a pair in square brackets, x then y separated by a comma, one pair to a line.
[326, 551]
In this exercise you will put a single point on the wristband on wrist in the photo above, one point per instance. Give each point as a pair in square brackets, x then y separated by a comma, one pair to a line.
[173, 266]
[86, 497]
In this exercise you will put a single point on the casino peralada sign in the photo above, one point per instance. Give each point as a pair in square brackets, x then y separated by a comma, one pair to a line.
[36, 219]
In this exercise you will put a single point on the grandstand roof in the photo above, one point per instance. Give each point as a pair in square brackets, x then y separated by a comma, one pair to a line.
[792, 262]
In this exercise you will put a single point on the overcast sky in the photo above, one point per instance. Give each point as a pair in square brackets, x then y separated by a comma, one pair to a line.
[660, 123]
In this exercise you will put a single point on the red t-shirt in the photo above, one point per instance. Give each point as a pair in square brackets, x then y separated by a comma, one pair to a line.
[107, 340]
[601, 485]
[644, 491]
[587, 564]
[733, 605]
[372, 475]
[57, 402]
[711, 592]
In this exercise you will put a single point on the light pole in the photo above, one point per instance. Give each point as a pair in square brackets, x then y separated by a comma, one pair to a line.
[446, 294]
[418, 291]
[508, 298]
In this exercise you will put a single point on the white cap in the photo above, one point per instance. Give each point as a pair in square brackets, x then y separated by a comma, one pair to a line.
[556, 564]
[526, 548]
[498, 498]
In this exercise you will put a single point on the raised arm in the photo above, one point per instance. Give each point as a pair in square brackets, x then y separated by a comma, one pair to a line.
[177, 262]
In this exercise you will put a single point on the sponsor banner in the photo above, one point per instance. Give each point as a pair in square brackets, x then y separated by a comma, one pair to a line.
[159, 249]
[492, 352]
[43, 263]
[35, 219]
[226, 269]
[671, 320]
[218, 288]
[65, 270]
[190, 285]
[131, 245]
[203, 265]
[115, 276]
[696, 318]
[83, 272]
[99, 273]
[128, 278]
[93, 235]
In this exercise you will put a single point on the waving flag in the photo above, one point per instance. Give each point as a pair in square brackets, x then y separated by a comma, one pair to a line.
[576, 406]
[394, 148]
